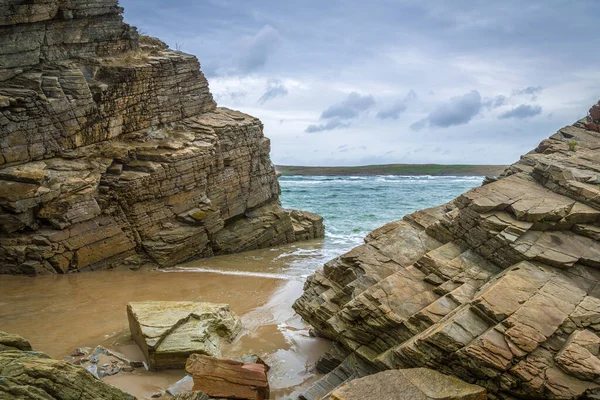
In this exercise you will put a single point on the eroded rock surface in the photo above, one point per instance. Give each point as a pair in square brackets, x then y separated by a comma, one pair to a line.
[112, 149]
[26, 374]
[167, 332]
[10, 341]
[413, 384]
[498, 287]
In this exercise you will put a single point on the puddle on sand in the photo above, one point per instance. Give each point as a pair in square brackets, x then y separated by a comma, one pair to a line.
[60, 313]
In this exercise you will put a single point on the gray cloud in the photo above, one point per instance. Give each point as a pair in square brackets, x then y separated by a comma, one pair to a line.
[338, 115]
[349, 108]
[417, 126]
[258, 48]
[521, 112]
[532, 91]
[275, 88]
[458, 110]
[395, 110]
[494, 102]
[327, 126]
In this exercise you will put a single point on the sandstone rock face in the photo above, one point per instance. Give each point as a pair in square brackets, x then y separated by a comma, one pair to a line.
[223, 378]
[26, 374]
[112, 149]
[498, 287]
[167, 332]
[413, 384]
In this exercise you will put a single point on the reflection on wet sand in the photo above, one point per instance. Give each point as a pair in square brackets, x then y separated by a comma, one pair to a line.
[60, 313]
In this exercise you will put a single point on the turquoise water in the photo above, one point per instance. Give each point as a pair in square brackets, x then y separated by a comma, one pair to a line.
[353, 206]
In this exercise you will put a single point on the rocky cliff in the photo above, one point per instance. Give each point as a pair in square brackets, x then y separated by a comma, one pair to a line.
[498, 287]
[112, 149]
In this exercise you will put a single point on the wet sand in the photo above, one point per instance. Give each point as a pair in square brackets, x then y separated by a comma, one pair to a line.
[60, 313]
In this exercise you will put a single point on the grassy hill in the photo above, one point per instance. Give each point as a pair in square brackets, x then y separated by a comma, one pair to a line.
[395, 169]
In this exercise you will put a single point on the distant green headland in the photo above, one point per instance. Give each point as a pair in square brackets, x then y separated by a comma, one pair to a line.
[395, 169]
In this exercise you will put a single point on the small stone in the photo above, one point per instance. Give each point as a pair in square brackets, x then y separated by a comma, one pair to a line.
[93, 369]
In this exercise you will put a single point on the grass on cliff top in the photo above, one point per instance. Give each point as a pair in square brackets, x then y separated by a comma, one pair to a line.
[395, 169]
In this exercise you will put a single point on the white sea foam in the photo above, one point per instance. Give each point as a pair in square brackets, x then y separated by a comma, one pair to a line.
[231, 272]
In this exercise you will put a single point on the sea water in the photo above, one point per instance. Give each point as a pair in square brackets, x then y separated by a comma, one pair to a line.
[353, 206]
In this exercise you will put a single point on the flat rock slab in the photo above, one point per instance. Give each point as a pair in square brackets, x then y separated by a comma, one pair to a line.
[409, 384]
[219, 377]
[168, 332]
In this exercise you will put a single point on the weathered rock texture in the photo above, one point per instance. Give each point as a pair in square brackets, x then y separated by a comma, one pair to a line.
[498, 287]
[167, 332]
[223, 378]
[26, 374]
[10, 341]
[405, 384]
[111, 146]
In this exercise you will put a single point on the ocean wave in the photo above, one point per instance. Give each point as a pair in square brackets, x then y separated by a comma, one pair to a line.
[230, 272]
[365, 182]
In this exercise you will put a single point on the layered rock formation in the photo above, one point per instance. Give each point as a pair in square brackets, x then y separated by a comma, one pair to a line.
[413, 384]
[498, 287]
[112, 147]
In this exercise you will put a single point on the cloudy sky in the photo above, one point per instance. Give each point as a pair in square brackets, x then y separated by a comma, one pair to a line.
[354, 82]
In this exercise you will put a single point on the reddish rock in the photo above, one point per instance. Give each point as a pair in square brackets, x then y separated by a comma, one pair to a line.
[595, 112]
[592, 126]
[220, 377]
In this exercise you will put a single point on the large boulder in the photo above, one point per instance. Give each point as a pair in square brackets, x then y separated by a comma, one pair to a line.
[167, 332]
[219, 377]
[35, 376]
[409, 384]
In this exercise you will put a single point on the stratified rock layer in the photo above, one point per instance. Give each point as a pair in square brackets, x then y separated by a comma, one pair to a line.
[111, 148]
[405, 384]
[168, 332]
[498, 287]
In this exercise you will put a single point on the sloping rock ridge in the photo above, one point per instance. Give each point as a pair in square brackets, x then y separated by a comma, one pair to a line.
[112, 148]
[498, 287]
[413, 384]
